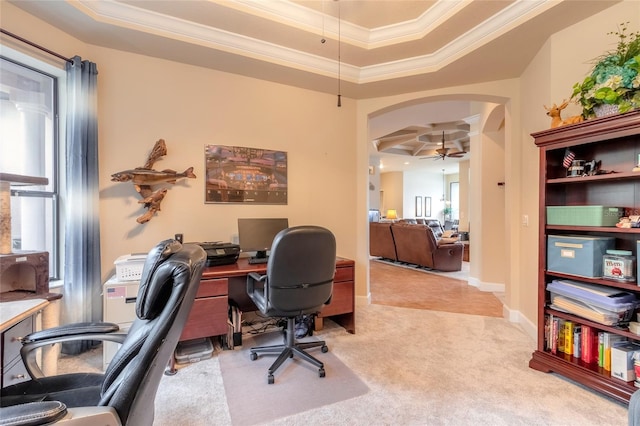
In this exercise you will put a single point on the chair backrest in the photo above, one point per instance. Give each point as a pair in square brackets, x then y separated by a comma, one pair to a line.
[168, 286]
[300, 270]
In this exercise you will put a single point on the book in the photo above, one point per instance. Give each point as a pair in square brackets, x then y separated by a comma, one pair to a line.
[601, 348]
[560, 335]
[610, 340]
[568, 337]
[554, 335]
[577, 341]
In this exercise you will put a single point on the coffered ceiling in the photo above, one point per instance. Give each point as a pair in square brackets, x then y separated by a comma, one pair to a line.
[358, 48]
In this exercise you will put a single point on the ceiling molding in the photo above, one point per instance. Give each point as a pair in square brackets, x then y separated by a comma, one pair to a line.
[132, 17]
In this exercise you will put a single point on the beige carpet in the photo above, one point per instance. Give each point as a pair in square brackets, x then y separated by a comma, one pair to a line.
[421, 367]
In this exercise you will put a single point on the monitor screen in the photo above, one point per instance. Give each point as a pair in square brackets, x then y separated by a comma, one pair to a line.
[258, 234]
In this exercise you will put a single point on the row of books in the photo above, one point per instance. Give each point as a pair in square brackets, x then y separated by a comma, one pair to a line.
[581, 341]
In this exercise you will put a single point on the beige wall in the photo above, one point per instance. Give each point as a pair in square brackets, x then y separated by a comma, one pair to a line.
[392, 197]
[143, 99]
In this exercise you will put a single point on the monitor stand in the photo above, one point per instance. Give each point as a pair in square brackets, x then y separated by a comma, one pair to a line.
[260, 257]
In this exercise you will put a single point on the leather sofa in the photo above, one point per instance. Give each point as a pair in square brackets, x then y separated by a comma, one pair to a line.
[381, 242]
[415, 244]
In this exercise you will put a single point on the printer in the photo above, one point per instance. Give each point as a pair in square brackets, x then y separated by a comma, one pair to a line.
[219, 253]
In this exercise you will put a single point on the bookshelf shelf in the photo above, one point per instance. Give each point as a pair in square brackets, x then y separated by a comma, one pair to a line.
[614, 142]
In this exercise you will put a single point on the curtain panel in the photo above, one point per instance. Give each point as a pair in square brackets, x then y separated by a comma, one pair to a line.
[82, 277]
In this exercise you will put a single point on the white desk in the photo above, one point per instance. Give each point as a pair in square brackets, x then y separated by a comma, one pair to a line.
[11, 313]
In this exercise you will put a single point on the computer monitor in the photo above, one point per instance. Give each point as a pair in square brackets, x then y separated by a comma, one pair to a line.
[257, 235]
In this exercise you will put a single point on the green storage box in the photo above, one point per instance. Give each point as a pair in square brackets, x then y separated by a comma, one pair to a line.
[584, 215]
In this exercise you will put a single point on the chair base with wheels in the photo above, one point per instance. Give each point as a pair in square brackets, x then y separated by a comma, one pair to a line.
[289, 349]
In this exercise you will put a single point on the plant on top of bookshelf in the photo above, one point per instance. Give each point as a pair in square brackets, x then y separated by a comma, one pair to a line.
[613, 85]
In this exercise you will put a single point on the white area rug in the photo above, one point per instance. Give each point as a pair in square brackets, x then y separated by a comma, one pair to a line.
[297, 387]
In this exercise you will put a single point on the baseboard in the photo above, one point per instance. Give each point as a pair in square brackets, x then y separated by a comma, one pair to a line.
[484, 286]
[516, 317]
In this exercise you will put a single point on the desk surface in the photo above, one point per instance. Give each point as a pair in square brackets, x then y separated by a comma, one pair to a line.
[242, 268]
[12, 313]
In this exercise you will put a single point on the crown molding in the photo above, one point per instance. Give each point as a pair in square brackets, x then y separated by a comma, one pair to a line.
[138, 19]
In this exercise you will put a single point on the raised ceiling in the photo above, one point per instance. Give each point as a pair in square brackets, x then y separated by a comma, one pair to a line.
[385, 47]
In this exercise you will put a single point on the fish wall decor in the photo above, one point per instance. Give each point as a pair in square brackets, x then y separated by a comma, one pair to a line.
[143, 178]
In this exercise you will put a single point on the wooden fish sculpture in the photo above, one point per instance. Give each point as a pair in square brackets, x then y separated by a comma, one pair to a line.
[152, 203]
[144, 177]
[141, 176]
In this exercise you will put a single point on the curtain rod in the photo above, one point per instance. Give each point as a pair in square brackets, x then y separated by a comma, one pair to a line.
[37, 46]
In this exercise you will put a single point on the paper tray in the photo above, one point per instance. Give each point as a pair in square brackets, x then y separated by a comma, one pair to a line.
[594, 295]
[602, 316]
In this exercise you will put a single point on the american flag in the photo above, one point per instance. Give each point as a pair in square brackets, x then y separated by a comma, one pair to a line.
[568, 158]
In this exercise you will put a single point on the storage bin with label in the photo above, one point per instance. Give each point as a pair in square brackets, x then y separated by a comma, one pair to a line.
[577, 255]
[584, 215]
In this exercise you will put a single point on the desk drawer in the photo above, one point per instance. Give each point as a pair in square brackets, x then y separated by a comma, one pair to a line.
[11, 340]
[15, 373]
[343, 274]
[341, 301]
[215, 287]
[208, 317]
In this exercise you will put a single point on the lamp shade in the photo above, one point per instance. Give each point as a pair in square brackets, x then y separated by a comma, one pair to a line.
[391, 214]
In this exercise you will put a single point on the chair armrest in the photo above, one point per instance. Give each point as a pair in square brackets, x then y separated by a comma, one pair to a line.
[33, 413]
[71, 330]
[55, 412]
[252, 278]
[66, 333]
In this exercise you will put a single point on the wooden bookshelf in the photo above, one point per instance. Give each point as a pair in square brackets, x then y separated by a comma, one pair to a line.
[615, 142]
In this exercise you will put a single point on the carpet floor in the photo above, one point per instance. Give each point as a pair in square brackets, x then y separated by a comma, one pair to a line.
[421, 368]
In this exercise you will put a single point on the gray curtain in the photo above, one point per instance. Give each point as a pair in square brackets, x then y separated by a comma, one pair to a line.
[82, 279]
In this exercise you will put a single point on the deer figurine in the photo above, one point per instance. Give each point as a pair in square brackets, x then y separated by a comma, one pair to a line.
[556, 120]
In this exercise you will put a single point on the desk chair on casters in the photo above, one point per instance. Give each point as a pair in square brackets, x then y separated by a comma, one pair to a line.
[299, 281]
[125, 393]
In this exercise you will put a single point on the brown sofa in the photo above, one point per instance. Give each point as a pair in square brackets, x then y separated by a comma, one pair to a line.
[415, 244]
[381, 242]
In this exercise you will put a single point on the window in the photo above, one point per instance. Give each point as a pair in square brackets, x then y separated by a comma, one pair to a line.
[29, 146]
[454, 196]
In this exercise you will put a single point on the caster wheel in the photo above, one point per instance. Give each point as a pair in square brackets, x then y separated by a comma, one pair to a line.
[324, 349]
[253, 356]
[321, 372]
[270, 379]
[291, 355]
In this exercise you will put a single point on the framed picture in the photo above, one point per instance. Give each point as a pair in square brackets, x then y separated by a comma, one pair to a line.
[418, 206]
[427, 206]
[245, 175]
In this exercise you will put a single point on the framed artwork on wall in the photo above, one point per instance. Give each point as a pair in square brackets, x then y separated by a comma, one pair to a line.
[427, 206]
[418, 206]
[238, 174]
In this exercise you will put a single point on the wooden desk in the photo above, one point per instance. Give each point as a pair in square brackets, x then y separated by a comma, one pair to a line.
[209, 313]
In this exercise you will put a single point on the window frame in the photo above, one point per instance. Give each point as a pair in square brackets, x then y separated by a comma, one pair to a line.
[55, 189]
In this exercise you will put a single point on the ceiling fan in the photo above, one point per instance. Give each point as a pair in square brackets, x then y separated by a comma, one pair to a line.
[444, 152]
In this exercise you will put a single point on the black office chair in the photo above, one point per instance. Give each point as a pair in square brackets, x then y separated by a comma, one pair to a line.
[125, 393]
[299, 281]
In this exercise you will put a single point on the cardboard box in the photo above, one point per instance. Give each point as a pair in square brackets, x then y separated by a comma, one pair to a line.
[622, 361]
[577, 255]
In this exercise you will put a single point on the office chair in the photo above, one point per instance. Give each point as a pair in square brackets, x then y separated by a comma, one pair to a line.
[125, 393]
[299, 280]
